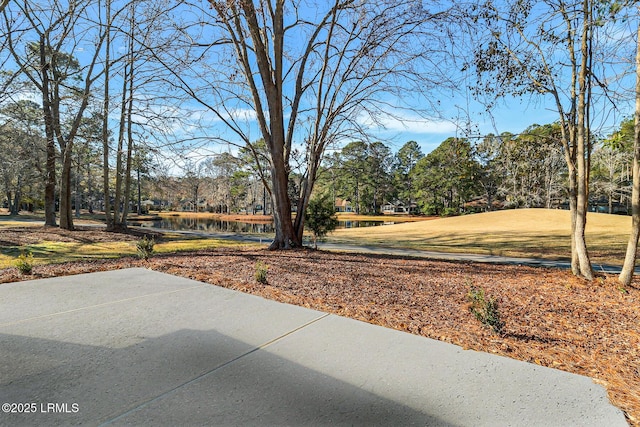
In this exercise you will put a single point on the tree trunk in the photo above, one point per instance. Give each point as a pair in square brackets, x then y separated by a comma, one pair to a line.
[76, 186]
[573, 203]
[90, 198]
[139, 191]
[17, 195]
[50, 184]
[66, 213]
[128, 88]
[118, 199]
[582, 152]
[106, 192]
[632, 246]
[305, 195]
[582, 203]
[286, 237]
[127, 176]
[10, 202]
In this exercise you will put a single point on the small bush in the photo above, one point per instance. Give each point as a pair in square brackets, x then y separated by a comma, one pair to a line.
[320, 217]
[450, 212]
[145, 247]
[24, 263]
[261, 272]
[485, 309]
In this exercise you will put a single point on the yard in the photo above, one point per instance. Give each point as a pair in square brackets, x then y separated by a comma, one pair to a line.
[550, 317]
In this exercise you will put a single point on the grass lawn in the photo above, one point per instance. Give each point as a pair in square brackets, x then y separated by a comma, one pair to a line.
[53, 246]
[537, 233]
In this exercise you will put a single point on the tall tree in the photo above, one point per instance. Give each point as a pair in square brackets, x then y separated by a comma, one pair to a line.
[124, 157]
[309, 74]
[220, 169]
[88, 160]
[21, 149]
[64, 84]
[353, 172]
[611, 166]
[490, 175]
[406, 159]
[551, 53]
[632, 246]
[447, 177]
[106, 94]
[144, 116]
[379, 164]
[533, 167]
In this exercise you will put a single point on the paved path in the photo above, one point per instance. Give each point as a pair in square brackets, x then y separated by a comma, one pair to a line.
[137, 347]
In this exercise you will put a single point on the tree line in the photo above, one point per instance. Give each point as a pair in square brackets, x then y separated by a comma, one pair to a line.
[138, 79]
[461, 175]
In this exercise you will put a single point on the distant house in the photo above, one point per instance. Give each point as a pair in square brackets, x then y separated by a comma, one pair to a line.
[343, 205]
[480, 204]
[399, 208]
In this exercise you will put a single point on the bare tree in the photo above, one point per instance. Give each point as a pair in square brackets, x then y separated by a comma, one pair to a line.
[7, 78]
[632, 246]
[144, 114]
[310, 75]
[610, 172]
[106, 193]
[125, 132]
[552, 53]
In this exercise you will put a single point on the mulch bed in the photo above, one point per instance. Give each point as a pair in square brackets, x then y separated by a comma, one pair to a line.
[550, 317]
[16, 236]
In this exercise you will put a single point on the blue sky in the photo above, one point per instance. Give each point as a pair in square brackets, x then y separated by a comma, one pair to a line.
[457, 112]
[513, 116]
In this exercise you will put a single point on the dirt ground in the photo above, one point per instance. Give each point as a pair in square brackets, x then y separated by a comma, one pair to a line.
[550, 317]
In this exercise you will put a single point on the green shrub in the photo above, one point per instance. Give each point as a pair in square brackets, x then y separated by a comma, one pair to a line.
[450, 212]
[261, 272]
[24, 263]
[320, 217]
[485, 309]
[145, 247]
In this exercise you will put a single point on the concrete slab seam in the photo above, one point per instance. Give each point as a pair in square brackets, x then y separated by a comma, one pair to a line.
[104, 304]
[211, 371]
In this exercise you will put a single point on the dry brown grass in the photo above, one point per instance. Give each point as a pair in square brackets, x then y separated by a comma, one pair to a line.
[540, 233]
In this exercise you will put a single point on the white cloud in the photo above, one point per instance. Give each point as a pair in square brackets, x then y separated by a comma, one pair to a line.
[418, 125]
[410, 123]
[201, 115]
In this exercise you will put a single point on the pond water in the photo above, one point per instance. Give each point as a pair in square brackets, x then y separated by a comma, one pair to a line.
[212, 225]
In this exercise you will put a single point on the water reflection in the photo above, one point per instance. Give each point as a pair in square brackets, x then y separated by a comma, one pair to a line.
[208, 225]
[212, 225]
[356, 224]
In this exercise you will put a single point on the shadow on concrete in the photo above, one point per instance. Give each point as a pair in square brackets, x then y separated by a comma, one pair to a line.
[188, 377]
